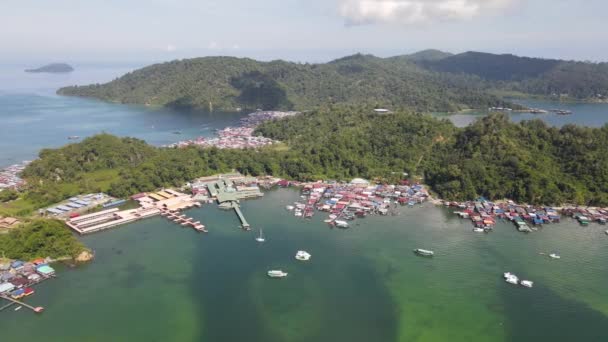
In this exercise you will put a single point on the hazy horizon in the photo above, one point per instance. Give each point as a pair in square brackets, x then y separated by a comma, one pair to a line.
[142, 32]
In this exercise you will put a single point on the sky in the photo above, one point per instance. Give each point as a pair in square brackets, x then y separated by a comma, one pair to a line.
[139, 31]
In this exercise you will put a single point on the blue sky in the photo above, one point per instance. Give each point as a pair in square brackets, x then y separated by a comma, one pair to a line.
[300, 30]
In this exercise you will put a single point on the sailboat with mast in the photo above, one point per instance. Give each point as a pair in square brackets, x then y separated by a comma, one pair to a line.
[260, 238]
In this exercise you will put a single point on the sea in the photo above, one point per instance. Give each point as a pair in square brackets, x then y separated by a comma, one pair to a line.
[154, 280]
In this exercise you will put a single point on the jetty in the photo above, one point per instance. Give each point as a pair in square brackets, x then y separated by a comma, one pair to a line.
[183, 220]
[37, 309]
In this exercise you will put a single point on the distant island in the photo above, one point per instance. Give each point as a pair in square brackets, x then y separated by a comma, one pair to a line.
[53, 68]
[426, 81]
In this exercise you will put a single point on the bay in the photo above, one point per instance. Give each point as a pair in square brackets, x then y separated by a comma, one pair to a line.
[584, 114]
[33, 117]
[156, 281]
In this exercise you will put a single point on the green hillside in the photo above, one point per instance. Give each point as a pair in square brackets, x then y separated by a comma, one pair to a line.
[547, 77]
[229, 83]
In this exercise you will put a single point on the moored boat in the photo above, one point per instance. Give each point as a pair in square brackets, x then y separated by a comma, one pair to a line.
[424, 252]
[527, 283]
[341, 224]
[277, 274]
[511, 278]
[303, 256]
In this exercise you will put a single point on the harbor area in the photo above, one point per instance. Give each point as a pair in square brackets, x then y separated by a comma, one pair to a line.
[17, 280]
[150, 204]
[228, 190]
[356, 199]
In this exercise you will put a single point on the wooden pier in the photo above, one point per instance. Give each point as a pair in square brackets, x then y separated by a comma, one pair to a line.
[244, 224]
[37, 309]
[184, 220]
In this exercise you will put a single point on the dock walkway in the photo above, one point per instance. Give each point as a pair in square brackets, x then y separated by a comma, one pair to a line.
[237, 210]
[37, 309]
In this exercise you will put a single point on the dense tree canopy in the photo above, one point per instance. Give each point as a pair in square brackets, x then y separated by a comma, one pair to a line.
[228, 83]
[494, 157]
[40, 239]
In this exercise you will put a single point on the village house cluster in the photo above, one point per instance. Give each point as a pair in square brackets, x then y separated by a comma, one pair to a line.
[358, 198]
[9, 176]
[238, 137]
[17, 277]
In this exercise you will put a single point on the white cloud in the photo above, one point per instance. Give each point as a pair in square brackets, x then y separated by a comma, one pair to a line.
[358, 12]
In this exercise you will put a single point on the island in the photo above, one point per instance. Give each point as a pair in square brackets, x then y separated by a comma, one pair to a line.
[426, 81]
[54, 68]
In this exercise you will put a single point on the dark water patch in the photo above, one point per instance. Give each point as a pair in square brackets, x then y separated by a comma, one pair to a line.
[529, 318]
[337, 296]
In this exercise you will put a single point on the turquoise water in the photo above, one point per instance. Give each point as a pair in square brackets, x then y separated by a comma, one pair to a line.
[33, 117]
[156, 281]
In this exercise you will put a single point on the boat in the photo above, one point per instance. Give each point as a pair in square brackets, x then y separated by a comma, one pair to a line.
[73, 137]
[606, 232]
[341, 224]
[177, 132]
[18, 308]
[423, 252]
[277, 274]
[290, 207]
[261, 237]
[303, 255]
[527, 283]
[479, 230]
[511, 278]
[554, 256]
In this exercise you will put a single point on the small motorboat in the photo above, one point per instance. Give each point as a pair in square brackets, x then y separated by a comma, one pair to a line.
[303, 255]
[554, 256]
[290, 207]
[424, 252]
[18, 308]
[511, 278]
[73, 137]
[277, 274]
[527, 283]
[341, 224]
[479, 230]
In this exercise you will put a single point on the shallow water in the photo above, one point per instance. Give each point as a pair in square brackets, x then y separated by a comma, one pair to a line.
[361, 284]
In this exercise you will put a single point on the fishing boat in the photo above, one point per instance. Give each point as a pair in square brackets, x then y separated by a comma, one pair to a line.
[260, 238]
[277, 274]
[424, 252]
[303, 255]
[527, 283]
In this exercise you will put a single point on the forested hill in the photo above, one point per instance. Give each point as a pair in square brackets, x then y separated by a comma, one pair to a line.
[229, 83]
[548, 77]
[494, 157]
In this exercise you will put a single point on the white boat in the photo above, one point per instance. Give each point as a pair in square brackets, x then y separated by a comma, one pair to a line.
[298, 213]
[606, 232]
[261, 237]
[341, 224]
[303, 255]
[424, 252]
[526, 283]
[18, 308]
[290, 207]
[554, 256]
[277, 274]
[511, 278]
[478, 230]
[328, 221]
